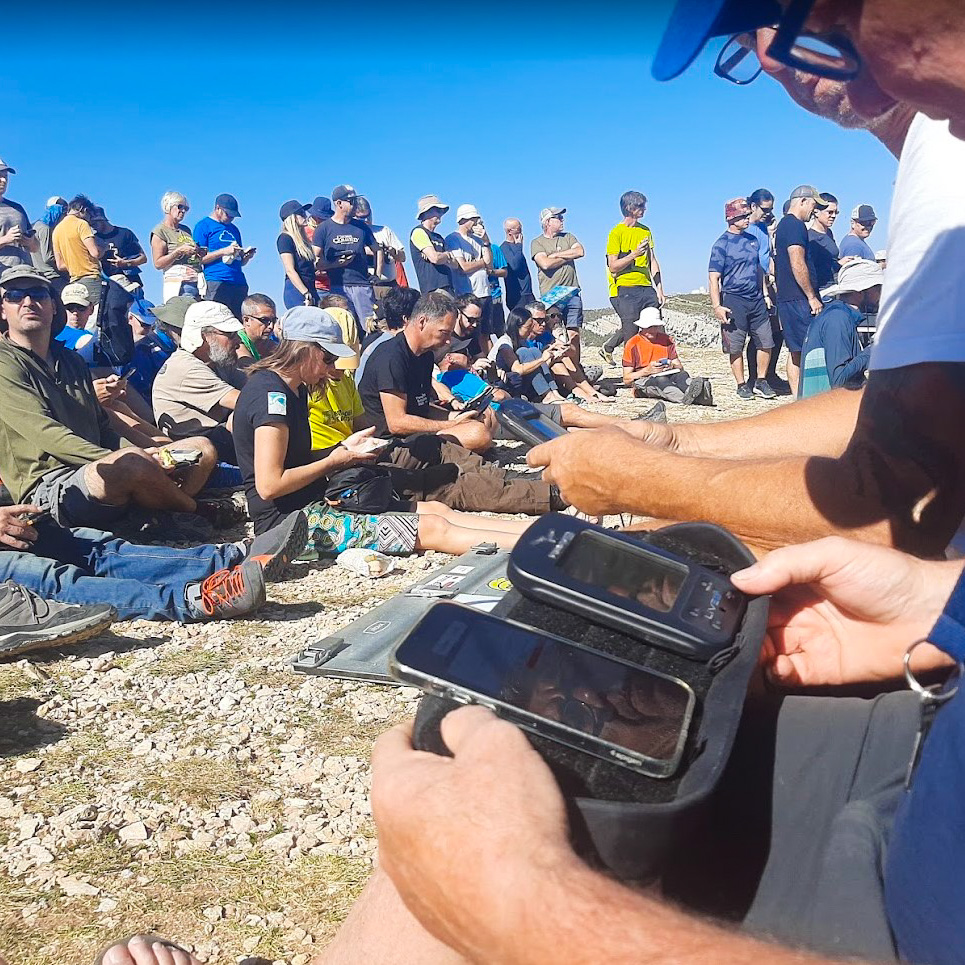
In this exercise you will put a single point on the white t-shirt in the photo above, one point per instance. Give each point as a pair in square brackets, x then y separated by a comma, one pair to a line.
[502, 342]
[922, 313]
[386, 236]
[467, 249]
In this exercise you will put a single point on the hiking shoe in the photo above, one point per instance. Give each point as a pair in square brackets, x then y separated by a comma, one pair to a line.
[220, 513]
[779, 385]
[576, 400]
[657, 414]
[144, 526]
[28, 622]
[606, 390]
[764, 390]
[593, 373]
[744, 391]
[275, 549]
[706, 396]
[557, 502]
[228, 593]
[607, 356]
[694, 388]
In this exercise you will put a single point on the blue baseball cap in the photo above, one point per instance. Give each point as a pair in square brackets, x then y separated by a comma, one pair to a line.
[144, 310]
[306, 324]
[694, 22]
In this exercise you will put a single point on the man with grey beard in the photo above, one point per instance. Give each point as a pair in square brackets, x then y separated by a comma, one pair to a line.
[197, 388]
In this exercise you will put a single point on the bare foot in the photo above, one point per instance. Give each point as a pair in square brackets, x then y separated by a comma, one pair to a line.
[146, 950]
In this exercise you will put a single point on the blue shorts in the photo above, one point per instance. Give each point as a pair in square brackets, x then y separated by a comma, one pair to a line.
[795, 317]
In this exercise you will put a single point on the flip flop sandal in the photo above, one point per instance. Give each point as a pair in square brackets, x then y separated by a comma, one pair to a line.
[150, 939]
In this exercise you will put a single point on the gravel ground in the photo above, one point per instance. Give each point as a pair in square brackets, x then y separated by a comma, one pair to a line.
[182, 779]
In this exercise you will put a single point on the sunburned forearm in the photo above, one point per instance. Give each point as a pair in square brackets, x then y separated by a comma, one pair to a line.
[582, 918]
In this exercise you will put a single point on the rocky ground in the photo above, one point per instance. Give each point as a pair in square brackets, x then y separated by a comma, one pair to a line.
[181, 779]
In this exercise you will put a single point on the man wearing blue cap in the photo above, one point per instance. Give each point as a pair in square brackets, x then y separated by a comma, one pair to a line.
[516, 892]
[226, 257]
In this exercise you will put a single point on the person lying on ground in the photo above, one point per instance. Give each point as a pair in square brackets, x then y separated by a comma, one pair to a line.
[652, 367]
[57, 448]
[425, 466]
[90, 567]
[396, 388]
[887, 464]
[457, 882]
[282, 472]
[833, 356]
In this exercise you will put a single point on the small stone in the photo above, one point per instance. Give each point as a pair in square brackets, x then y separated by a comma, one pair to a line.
[75, 888]
[107, 904]
[214, 912]
[242, 824]
[280, 842]
[135, 833]
[28, 764]
[301, 959]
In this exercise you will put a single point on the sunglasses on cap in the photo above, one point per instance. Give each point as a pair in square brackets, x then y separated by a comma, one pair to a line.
[16, 295]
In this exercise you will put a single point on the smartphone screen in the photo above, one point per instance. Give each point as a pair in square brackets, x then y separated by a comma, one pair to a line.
[634, 709]
[624, 570]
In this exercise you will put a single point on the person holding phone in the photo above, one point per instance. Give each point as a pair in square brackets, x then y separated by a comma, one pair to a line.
[282, 472]
[173, 251]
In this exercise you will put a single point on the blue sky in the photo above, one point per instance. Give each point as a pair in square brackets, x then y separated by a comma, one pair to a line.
[509, 106]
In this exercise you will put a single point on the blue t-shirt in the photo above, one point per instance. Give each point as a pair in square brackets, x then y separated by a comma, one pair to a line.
[764, 240]
[80, 340]
[519, 283]
[464, 385]
[499, 261]
[737, 258]
[350, 238]
[852, 245]
[791, 231]
[824, 254]
[214, 235]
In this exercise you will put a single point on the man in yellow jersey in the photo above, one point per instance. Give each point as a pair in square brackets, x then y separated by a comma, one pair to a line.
[633, 265]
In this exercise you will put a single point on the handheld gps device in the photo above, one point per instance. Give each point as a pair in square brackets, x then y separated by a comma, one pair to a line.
[611, 579]
[527, 423]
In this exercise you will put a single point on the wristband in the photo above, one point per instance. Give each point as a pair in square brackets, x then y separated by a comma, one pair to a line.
[948, 633]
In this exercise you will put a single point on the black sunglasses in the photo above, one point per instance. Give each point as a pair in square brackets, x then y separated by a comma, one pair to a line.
[182, 207]
[867, 224]
[552, 315]
[829, 54]
[16, 295]
[269, 322]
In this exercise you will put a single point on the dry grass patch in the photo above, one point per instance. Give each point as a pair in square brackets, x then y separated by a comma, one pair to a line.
[202, 782]
[194, 658]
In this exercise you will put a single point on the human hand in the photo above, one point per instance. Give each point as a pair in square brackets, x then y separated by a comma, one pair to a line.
[845, 612]
[463, 415]
[459, 835]
[13, 236]
[109, 389]
[187, 248]
[573, 463]
[723, 314]
[661, 298]
[816, 306]
[15, 532]
[364, 441]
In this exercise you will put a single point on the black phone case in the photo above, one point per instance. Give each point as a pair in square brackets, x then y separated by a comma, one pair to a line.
[625, 822]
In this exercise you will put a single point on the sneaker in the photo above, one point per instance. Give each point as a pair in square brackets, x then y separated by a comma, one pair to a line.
[593, 373]
[576, 400]
[706, 396]
[275, 549]
[607, 390]
[607, 356]
[779, 385]
[657, 414]
[220, 513]
[144, 526]
[557, 502]
[694, 388]
[763, 389]
[578, 514]
[744, 391]
[228, 593]
[28, 622]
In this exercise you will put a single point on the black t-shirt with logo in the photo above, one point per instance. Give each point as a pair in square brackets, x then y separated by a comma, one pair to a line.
[338, 239]
[125, 242]
[266, 400]
[394, 367]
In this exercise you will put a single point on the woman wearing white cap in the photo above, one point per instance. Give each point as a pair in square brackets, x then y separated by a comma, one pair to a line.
[282, 472]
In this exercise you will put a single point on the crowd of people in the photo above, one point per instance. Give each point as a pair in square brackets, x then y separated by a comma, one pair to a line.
[844, 835]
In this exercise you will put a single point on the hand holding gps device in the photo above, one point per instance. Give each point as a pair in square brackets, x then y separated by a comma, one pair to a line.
[611, 579]
[563, 691]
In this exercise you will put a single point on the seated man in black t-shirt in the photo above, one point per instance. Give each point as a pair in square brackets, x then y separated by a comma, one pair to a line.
[396, 388]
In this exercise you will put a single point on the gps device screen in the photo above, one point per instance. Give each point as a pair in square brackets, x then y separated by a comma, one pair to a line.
[587, 691]
[624, 570]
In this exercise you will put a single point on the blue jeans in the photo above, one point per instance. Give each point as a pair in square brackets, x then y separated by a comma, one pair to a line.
[536, 384]
[572, 311]
[91, 566]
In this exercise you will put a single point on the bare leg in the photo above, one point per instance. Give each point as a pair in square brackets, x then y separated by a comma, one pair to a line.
[194, 479]
[737, 366]
[473, 521]
[438, 533]
[793, 370]
[380, 931]
[131, 475]
[473, 435]
[576, 418]
[763, 360]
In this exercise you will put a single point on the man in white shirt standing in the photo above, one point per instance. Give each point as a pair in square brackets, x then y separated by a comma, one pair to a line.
[393, 252]
[472, 253]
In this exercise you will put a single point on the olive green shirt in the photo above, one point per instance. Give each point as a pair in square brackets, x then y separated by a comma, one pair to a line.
[49, 416]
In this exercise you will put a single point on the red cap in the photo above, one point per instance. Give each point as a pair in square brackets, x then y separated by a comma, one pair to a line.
[736, 208]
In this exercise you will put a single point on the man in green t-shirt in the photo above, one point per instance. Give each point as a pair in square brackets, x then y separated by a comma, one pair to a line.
[555, 252]
[633, 264]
